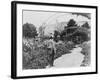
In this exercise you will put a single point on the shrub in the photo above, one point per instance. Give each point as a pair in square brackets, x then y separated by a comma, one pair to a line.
[86, 52]
[37, 57]
[85, 48]
[69, 45]
[26, 48]
[61, 49]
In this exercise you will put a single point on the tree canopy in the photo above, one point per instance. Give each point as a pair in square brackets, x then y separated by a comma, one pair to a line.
[29, 31]
[86, 25]
[73, 32]
[71, 23]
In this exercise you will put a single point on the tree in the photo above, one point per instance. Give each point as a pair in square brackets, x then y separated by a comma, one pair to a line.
[71, 23]
[56, 35]
[71, 26]
[86, 25]
[60, 26]
[75, 33]
[29, 31]
[42, 31]
[70, 29]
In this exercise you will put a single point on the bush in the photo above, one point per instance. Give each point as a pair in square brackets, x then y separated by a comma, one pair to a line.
[38, 57]
[69, 45]
[85, 48]
[26, 48]
[61, 50]
[86, 52]
[35, 59]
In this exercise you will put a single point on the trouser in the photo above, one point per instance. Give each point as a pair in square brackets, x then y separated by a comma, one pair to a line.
[51, 57]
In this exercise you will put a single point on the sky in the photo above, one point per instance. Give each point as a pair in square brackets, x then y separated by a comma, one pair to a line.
[39, 18]
[36, 18]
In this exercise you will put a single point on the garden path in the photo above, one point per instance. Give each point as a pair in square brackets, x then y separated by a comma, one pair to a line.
[74, 59]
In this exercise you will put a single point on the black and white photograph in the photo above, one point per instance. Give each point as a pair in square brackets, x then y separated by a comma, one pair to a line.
[53, 39]
[56, 39]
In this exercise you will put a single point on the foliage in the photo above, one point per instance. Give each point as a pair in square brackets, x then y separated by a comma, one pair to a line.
[71, 23]
[85, 48]
[29, 31]
[80, 36]
[86, 52]
[60, 26]
[69, 45]
[34, 57]
[86, 25]
[37, 57]
[61, 49]
[41, 31]
[75, 34]
[56, 36]
[69, 30]
[35, 52]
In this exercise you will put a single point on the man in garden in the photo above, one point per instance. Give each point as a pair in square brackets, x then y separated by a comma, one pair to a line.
[51, 50]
